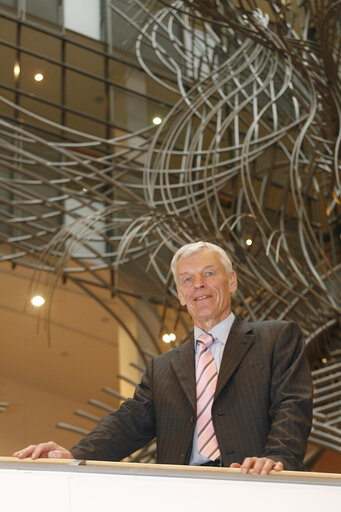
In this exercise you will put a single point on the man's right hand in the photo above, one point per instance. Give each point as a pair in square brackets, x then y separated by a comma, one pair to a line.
[44, 450]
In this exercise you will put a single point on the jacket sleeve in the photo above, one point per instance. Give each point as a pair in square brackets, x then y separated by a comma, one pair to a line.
[124, 431]
[291, 399]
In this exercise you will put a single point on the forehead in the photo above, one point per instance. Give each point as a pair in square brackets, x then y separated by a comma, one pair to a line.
[199, 260]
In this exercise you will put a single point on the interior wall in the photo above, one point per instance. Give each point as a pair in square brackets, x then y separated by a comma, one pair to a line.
[329, 462]
[46, 380]
[32, 417]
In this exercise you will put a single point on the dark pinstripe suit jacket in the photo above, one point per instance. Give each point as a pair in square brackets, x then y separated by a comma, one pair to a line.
[262, 405]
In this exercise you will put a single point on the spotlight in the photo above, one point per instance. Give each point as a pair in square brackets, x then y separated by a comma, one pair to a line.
[16, 70]
[157, 120]
[167, 338]
[37, 301]
[38, 77]
[248, 242]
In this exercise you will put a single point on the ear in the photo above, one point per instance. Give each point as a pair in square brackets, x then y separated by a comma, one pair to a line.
[181, 297]
[233, 281]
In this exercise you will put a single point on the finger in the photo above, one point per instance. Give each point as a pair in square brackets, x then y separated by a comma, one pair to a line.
[25, 452]
[248, 464]
[258, 464]
[279, 466]
[235, 465]
[268, 465]
[60, 454]
[43, 449]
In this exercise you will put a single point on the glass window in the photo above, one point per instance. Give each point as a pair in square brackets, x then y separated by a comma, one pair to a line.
[8, 56]
[83, 16]
[48, 10]
[10, 3]
[86, 96]
[128, 19]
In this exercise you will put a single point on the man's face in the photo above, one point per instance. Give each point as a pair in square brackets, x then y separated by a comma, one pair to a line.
[205, 288]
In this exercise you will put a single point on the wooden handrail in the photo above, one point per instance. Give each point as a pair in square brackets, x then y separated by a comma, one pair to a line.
[168, 467]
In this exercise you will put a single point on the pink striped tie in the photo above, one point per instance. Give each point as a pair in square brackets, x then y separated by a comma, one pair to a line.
[206, 383]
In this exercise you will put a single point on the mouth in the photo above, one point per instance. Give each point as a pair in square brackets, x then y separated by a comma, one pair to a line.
[202, 297]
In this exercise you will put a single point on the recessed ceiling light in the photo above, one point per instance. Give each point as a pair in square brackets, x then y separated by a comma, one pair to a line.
[157, 120]
[167, 338]
[16, 70]
[248, 241]
[37, 301]
[38, 77]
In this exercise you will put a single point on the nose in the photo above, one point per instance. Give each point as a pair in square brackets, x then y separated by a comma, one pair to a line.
[198, 281]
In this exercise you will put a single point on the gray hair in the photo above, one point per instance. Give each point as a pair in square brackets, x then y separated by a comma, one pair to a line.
[189, 249]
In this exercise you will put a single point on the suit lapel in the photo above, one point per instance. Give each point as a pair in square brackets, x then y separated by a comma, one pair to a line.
[184, 367]
[238, 343]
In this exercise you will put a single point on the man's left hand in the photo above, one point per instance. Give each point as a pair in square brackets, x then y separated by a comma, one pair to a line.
[259, 465]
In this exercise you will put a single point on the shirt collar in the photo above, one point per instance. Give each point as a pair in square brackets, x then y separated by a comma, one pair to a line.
[220, 331]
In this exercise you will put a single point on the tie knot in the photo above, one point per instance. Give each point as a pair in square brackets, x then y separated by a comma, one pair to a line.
[205, 339]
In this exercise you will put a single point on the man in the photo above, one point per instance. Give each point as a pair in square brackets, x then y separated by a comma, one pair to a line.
[260, 415]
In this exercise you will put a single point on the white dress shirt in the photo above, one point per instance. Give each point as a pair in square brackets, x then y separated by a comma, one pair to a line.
[220, 333]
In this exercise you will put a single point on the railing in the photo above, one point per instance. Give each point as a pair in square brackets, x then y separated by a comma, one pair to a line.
[68, 486]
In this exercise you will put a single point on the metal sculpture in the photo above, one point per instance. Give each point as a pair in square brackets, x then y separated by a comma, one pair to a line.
[248, 157]
[3, 406]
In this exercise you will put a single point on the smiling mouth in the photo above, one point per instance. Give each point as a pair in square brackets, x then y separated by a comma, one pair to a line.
[202, 297]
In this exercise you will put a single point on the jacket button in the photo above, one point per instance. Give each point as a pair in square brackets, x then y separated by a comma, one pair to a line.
[192, 419]
[220, 413]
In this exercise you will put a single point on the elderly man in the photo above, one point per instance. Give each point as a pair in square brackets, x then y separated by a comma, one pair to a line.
[239, 394]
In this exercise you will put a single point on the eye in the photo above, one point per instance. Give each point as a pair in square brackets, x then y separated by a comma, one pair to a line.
[209, 273]
[187, 279]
